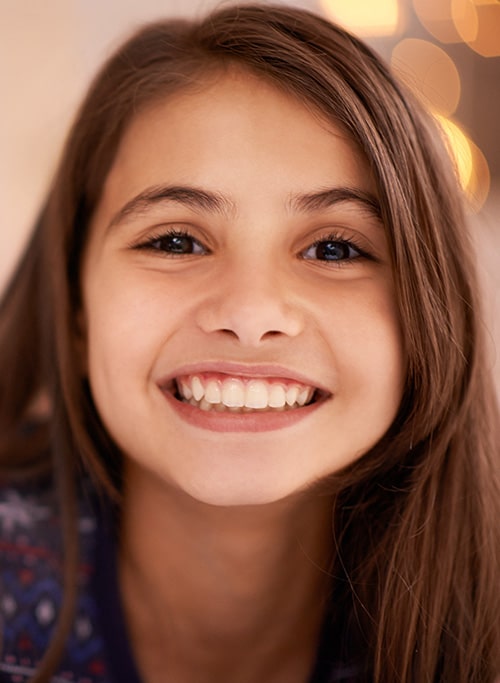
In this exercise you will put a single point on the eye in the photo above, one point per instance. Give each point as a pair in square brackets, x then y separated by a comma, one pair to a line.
[333, 249]
[174, 242]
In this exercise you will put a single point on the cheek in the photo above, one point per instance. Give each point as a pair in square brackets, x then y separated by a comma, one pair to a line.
[129, 298]
[127, 323]
[366, 341]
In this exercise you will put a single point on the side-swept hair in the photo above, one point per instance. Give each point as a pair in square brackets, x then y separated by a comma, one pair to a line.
[417, 518]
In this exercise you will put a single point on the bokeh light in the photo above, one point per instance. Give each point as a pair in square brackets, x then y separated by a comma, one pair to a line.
[465, 18]
[366, 17]
[480, 180]
[471, 165]
[478, 23]
[459, 146]
[436, 17]
[429, 72]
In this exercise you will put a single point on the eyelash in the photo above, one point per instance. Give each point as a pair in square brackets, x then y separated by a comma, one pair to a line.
[351, 245]
[170, 234]
[153, 244]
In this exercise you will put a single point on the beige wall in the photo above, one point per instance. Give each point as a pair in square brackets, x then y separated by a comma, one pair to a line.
[48, 52]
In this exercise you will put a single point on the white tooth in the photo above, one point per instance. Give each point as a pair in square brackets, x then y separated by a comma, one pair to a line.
[205, 405]
[304, 396]
[197, 388]
[233, 393]
[185, 390]
[256, 394]
[291, 394]
[213, 392]
[277, 396]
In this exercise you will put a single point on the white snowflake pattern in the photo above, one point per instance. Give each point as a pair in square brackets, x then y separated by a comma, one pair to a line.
[86, 525]
[45, 611]
[17, 512]
[9, 605]
[83, 628]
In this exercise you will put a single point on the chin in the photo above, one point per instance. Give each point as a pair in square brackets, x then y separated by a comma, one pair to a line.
[236, 498]
[232, 494]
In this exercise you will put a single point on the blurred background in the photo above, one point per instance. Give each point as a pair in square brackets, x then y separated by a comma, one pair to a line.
[447, 51]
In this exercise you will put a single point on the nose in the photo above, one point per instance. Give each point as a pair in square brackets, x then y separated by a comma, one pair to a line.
[251, 306]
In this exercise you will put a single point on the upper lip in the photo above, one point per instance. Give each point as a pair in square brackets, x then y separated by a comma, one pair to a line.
[259, 371]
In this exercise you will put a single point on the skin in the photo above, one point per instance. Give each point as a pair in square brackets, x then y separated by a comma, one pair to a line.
[240, 538]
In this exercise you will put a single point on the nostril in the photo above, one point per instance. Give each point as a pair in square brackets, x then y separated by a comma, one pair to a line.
[232, 333]
[249, 318]
[245, 338]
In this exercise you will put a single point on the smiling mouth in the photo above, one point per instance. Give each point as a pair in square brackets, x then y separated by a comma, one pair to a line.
[229, 394]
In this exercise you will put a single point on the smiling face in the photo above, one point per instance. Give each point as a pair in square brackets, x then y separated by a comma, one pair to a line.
[242, 338]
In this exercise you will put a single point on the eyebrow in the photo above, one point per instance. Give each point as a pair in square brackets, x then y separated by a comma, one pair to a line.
[324, 199]
[194, 197]
[214, 202]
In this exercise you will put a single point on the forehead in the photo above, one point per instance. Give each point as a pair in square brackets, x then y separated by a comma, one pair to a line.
[238, 134]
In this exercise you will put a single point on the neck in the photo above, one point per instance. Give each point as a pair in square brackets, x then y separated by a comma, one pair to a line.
[206, 583]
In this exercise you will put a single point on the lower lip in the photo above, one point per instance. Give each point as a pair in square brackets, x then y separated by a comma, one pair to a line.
[264, 421]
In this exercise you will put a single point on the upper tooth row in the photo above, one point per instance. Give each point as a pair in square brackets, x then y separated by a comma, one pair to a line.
[235, 393]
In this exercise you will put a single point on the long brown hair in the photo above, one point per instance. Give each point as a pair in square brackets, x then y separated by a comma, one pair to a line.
[417, 518]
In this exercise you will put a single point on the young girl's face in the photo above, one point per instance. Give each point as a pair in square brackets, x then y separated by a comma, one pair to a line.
[237, 259]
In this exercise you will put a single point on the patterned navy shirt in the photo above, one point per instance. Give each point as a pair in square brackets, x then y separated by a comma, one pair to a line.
[98, 650]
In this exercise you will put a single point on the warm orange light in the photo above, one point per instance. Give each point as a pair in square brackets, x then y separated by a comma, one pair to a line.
[480, 180]
[430, 72]
[365, 17]
[465, 18]
[435, 15]
[471, 165]
[460, 149]
[478, 23]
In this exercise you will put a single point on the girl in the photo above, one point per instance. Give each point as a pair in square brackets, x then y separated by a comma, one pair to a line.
[248, 429]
